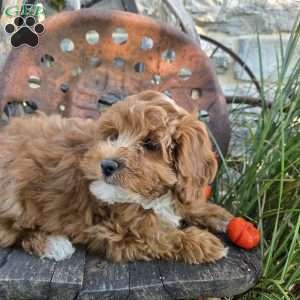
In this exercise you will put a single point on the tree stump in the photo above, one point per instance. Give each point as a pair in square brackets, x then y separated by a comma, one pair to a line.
[86, 277]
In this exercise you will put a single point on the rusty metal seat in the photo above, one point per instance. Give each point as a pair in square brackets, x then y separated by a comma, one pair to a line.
[87, 60]
[90, 58]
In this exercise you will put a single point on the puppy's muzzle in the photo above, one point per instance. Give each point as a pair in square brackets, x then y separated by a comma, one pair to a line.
[109, 166]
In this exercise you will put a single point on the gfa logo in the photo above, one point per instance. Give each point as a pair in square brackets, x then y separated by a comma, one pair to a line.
[24, 30]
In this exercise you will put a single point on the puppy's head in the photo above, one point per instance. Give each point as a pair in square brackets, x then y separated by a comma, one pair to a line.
[147, 146]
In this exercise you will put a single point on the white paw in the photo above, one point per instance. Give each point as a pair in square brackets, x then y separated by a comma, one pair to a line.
[225, 251]
[58, 248]
[221, 226]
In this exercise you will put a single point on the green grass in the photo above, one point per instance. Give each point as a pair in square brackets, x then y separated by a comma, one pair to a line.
[268, 189]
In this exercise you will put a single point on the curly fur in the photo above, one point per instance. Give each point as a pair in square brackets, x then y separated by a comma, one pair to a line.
[51, 183]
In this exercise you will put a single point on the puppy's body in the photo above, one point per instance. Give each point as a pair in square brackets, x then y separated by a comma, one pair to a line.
[55, 187]
[42, 186]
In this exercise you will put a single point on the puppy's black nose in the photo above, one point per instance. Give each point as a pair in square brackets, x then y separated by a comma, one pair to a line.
[109, 166]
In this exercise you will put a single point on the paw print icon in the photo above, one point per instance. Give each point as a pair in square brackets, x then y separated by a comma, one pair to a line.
[24, 31]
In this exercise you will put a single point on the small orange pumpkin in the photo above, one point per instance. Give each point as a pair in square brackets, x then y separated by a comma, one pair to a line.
[207, 191]
[243, 233]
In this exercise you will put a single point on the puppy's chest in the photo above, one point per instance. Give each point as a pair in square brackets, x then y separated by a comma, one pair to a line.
[164, 208]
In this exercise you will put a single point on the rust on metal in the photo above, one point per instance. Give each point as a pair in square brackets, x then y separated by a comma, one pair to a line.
[89, 58]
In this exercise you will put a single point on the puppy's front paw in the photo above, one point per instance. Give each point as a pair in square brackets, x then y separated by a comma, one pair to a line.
[201, 246]
[58, 248]
[218, 225]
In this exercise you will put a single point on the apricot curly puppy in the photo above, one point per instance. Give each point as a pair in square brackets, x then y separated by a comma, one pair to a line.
[120, 185]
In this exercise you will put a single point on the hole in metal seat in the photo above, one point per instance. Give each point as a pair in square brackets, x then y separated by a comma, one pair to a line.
[146, 43]
[139, 67]
[92, 37]
[67, 45]
[168, 55]
[34, 82]
[47, 60]
[120, 36]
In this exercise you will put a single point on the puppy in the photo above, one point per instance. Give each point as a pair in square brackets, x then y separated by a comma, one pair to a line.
[121, 185]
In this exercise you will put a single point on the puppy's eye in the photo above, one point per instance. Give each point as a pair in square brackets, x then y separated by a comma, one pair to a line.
[114, 136]
[150, 145]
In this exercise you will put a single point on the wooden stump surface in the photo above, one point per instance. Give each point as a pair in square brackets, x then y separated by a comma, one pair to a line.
[86, 277]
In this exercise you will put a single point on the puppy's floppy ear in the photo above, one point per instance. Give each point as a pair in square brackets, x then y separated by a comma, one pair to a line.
[195, 161]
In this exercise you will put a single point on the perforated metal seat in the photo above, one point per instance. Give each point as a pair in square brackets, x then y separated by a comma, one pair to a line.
[91, 58]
